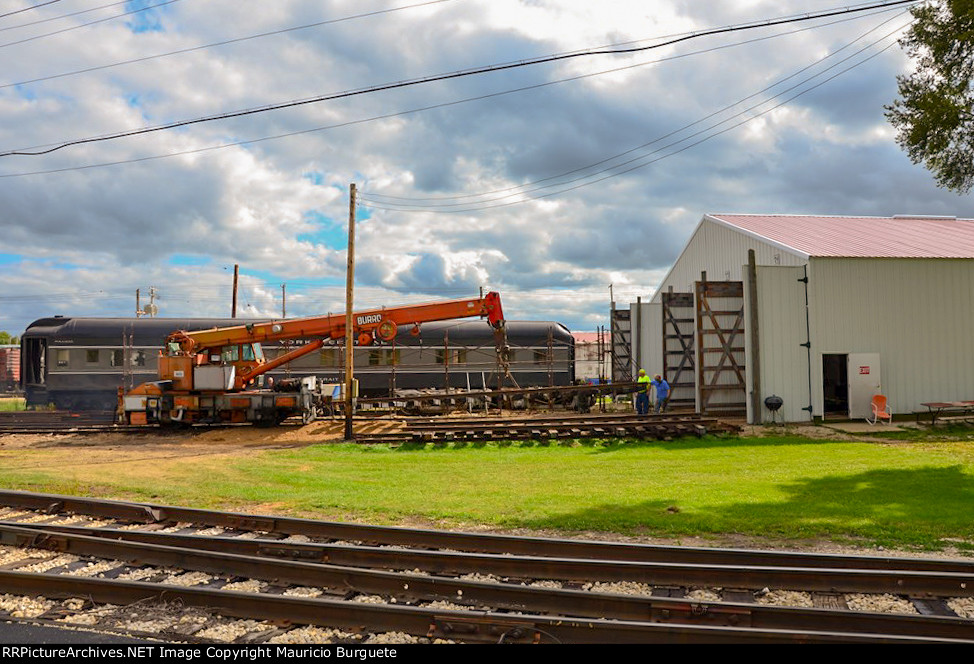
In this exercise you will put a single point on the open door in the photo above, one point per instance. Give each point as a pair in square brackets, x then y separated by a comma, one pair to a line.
[835, 385]
[864, 382]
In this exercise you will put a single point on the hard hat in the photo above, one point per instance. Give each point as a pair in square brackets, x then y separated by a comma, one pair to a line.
[642, 372]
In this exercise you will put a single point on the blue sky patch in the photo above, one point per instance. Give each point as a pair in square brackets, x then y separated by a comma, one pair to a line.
[149, 20]
[314, 177]
[329, 233]
[190, 260]
[25, 92]
[7, 259]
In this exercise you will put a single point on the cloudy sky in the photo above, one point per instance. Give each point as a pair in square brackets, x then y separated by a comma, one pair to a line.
[545, 182]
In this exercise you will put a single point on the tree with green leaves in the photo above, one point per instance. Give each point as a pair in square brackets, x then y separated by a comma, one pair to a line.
[5, 338]
[934, 115]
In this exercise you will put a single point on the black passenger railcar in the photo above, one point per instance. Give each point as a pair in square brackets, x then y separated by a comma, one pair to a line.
[79, 363]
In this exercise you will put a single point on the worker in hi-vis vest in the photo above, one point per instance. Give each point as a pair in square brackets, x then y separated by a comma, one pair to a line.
[642, 394]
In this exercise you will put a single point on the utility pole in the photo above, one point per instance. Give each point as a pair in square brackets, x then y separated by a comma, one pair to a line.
[349, 342]
[236, 273]
[138, 306]
[287, 344]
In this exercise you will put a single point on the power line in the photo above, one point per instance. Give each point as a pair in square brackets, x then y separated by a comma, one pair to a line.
[454, 75]
[58, 18]
[365, 203]
[524, 188]
[442, 105]
[85, 25]
[27, 9]
[220, 43]
[256, 36]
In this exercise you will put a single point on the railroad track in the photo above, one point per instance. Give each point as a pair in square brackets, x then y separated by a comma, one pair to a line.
[306, 576]
[421, 430]
[57, 421]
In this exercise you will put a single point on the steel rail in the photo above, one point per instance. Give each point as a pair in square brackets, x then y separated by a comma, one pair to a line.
[412, 587]
[463, 625]
[508, 392]
[557, 417]
[578, 419]
[502, 427]
[941, 584]
[476, 542]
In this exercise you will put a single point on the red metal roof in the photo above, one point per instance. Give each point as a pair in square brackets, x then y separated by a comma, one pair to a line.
[586, 337]
[861, 237]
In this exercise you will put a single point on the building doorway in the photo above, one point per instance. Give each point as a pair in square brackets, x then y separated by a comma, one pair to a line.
[835, 379]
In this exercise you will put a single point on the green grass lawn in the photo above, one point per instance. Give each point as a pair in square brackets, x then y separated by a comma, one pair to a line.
[9, 404]
[917, 494]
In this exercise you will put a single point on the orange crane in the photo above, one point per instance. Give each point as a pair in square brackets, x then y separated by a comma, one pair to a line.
[212, 375]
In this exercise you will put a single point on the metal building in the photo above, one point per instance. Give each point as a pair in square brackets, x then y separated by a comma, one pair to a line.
[828, 312]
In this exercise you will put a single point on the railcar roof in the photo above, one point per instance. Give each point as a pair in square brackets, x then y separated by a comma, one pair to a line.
[152, 331]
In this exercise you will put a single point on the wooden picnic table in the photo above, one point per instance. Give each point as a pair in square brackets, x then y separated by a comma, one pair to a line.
[947, 408]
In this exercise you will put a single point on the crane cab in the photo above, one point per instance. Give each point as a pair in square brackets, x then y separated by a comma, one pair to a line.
[221, 368]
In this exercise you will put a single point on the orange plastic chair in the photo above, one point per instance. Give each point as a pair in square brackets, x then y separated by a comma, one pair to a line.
[881, 410]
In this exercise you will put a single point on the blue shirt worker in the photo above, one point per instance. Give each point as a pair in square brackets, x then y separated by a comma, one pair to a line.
[662, 392]
[642, 394]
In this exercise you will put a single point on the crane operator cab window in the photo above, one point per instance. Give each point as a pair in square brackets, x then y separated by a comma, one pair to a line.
[247, 352]
[253, 352]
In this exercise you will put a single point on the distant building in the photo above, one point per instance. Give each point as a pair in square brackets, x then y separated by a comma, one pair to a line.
[9, 367]
[832, 311]
[590, 362]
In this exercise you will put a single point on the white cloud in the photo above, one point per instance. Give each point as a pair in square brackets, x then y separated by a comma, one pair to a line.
[90, 237]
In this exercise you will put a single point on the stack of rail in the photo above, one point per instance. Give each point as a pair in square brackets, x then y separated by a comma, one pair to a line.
[599, 425]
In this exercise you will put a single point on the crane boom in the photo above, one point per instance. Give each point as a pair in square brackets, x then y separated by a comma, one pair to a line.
[382, 323]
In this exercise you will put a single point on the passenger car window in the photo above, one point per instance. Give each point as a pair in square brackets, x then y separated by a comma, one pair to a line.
[329, 357]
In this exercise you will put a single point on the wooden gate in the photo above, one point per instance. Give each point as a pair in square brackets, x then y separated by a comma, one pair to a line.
[679, 368]
[720, 347]
[621, 341]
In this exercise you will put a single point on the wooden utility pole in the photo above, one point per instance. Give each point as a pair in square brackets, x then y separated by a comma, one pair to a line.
[236, 274]
[754, 363]
[287, 344]
[349, 342]
[138, 305]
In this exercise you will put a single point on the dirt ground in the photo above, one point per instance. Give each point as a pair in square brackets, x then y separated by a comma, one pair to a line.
[245, 439]
[61, 450]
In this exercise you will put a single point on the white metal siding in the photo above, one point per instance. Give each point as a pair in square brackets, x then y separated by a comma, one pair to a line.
[648, 345]
[721, 251]
[781, 330]
[918, 314]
